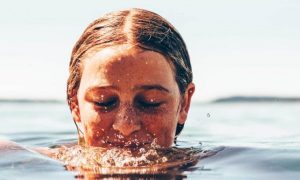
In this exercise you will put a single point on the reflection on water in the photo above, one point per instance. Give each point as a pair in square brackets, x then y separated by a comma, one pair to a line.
[131, 176]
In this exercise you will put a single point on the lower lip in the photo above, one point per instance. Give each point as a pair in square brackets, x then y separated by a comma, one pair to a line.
[126, 145]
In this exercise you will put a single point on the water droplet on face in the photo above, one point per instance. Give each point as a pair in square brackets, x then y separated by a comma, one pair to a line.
[120, 136]
[142, 150]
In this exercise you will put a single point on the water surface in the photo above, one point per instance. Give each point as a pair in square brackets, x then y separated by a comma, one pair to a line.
[254, 141]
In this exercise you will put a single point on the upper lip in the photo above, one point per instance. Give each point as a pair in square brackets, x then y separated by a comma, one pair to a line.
[129, 144]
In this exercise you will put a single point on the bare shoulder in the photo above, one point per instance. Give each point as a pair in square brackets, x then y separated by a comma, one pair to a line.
[10, 147]
[6, 145]
[17, 159]
[45, 151]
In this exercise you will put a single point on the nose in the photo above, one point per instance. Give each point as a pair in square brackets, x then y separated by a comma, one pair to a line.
[127, 121]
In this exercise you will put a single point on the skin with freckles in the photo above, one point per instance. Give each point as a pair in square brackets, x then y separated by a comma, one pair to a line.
[128, 97]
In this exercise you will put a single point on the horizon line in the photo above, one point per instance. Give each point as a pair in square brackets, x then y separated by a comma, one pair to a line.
[234, 98]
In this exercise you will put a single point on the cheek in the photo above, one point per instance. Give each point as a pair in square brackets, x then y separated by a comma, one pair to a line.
[94, 124]
[95, 130]
[162, 125]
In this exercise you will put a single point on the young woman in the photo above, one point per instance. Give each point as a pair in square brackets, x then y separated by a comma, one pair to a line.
[130, 81]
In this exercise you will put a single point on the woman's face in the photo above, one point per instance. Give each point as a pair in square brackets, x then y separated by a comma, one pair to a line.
[128, 97]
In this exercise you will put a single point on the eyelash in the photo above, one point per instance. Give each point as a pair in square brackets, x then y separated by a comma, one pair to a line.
[149, 107]
[141, 104]
[107, 105]
[147, 104]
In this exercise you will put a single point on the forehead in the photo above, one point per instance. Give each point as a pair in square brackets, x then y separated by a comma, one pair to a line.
[125, 65]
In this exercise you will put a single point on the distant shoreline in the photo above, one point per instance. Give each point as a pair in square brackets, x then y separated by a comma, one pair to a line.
[231, 99]
[255, 99]
[50, 101]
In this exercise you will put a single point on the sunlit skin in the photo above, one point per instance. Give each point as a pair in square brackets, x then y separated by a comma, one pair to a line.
[128, 97]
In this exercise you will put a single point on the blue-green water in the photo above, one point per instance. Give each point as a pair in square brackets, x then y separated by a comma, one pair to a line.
[260, 140]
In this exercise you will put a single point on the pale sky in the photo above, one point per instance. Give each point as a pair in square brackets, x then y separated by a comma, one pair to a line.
[236, 47]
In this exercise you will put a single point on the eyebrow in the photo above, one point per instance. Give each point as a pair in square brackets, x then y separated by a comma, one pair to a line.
[150, 87]
[97, 88]
[94, 89]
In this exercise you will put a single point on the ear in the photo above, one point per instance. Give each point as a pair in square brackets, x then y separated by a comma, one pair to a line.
[75, 109]
[185, 104]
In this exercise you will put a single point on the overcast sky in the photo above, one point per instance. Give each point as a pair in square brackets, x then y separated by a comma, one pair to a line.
[237, 47]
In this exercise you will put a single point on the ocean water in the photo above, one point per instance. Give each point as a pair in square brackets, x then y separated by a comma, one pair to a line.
[255, 141]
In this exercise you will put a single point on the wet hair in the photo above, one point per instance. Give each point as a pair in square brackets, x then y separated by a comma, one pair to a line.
[140, 28]
[137, 27]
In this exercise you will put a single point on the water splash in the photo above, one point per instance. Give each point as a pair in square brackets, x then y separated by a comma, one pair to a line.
[143, 160]
[208, 115]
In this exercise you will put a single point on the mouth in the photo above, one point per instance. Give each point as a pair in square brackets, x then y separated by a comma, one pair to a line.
[134, 141]
[133, 144]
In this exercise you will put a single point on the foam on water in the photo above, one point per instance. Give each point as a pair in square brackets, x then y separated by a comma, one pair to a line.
[150, 159]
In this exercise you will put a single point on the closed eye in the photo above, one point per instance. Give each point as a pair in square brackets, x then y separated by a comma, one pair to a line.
[110, 103]
[107, 105]
[149, 104]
